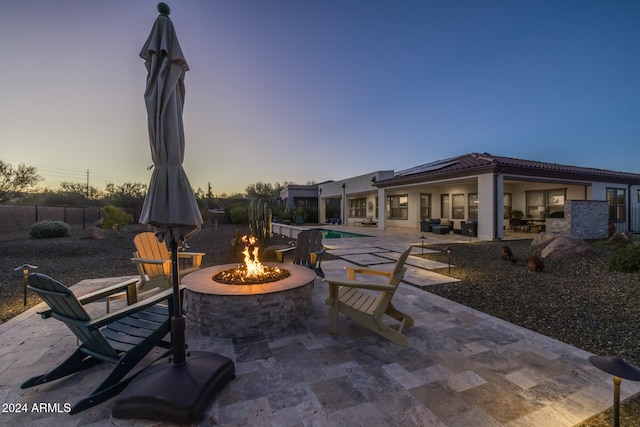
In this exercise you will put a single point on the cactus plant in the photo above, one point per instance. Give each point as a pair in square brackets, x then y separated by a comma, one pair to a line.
[260, 216]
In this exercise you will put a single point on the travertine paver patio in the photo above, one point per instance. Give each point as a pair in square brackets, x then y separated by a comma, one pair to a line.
[461, 368]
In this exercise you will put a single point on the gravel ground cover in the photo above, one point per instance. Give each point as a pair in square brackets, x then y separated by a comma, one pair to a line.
[574, 299]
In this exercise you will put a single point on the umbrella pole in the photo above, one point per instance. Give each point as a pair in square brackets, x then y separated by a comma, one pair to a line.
[177, 392]
[178, 322]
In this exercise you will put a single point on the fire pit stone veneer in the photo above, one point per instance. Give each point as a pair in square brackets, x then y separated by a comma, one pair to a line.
[240, 311]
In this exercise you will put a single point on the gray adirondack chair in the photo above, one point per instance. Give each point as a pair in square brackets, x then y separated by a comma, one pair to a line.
[307, 251]
[123, 337]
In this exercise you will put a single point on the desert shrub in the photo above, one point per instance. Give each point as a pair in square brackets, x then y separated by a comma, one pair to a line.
[626, 259]
[46, 229]
[114, 218]
[238, 215]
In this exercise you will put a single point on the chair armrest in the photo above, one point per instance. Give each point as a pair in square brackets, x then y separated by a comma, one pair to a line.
[196, 257]
[352, 271]
[150, 261]
[278, 251]
[126, 311]
[190, 254]
[128, 285]
[358, 284]
[111, 290]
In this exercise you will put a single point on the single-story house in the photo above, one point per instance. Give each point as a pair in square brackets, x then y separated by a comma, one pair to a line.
[294, 196]
[489, 195]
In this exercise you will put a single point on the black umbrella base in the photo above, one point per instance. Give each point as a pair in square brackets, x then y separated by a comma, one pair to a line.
[179, 394]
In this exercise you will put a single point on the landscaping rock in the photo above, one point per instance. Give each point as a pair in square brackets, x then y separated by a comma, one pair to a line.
[564, 245]
[543, 239]
[94, 233]
[621, 237]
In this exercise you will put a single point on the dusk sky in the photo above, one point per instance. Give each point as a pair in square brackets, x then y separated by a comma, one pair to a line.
[302, 90]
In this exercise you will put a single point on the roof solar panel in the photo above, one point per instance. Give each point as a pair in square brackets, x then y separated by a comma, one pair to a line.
[425, 168]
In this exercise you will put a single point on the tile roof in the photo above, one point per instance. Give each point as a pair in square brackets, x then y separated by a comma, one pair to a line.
[472, 163]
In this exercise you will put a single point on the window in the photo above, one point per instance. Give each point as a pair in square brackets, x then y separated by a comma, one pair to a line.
[457, 206]
[398, 207]
[425, 206]
[473, 206]
[617, 208]
[555, 201]
[444, 206]
[542, 203]
[506, 201]
[358, 208]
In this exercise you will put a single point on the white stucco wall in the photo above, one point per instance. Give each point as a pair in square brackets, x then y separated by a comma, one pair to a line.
[358, 186]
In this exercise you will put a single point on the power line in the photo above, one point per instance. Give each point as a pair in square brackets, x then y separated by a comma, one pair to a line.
[46, 168]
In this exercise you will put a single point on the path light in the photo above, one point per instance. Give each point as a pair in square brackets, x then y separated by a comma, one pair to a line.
[422, 244]
[619, 368]
[26, 269]
[448, 250]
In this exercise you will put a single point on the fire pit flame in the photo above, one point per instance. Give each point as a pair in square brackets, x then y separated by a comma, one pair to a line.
[253, 266]
[252, 272]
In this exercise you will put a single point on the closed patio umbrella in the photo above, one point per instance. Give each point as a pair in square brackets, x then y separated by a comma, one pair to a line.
[178, 391]
[170, 206]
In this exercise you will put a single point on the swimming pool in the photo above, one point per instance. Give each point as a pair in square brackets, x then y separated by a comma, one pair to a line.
[337, 234]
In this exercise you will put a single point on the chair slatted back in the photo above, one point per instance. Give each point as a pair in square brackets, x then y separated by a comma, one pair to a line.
[148, 247]
[394, 280]
[66, 308]
[308, 241]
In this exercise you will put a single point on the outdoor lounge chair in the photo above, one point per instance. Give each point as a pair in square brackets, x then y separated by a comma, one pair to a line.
[154, 262]
[369, 305]
[122, 338]
[307, 251]
[368, 222]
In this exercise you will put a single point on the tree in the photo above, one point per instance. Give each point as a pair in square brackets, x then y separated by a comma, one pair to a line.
[266, 191]
[127, 195]
[88, 192]
[260, 190]
[14, 182]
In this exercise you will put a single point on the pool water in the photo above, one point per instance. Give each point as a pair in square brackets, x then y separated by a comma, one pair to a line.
[336, 234]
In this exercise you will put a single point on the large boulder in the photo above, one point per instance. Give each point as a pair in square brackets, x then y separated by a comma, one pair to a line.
[93, 233]
[544, 238]
[564, 245]
[621, 238]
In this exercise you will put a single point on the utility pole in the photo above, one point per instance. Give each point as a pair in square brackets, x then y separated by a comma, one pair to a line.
[87, 183]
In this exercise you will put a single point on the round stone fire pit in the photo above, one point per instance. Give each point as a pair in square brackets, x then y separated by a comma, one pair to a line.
[238, 311]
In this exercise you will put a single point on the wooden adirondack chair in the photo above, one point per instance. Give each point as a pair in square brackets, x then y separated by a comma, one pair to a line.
[154, 262]
[307, 251]
[368, 308]
[122, 338]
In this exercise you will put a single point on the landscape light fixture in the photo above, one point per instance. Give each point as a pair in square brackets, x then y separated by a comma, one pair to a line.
[26, 269]
[448, 249]
[619, 368]
[422, 244]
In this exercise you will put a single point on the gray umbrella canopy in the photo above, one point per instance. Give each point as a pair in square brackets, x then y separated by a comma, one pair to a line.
[170, 206]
